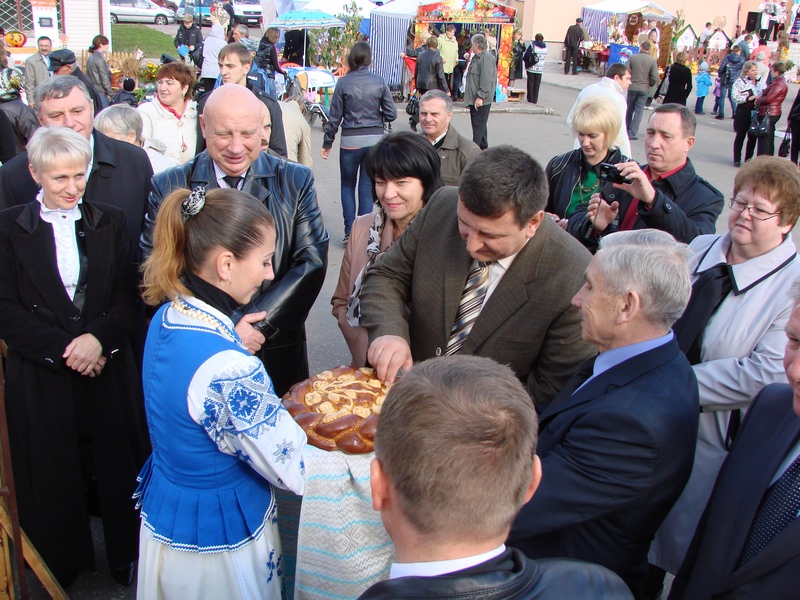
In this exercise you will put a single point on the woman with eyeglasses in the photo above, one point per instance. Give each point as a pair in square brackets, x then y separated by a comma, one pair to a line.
[733, 328]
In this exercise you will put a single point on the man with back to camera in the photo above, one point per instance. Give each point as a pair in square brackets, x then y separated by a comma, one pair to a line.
[644, 75]
[485, 273]
[747, 544]
[614, 86]
[119, 173]
[37, 68]
[232, 125]
[572, 42]
[428, 73]
[447, 495]
[666, 193]
[435, 113]
[617, 442]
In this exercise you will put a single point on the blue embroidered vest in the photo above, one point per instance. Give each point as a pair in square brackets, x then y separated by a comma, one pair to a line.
[193, 497]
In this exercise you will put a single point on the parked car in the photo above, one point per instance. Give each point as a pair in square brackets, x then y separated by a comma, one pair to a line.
[247, 12]
[168, 4]
[140, 11]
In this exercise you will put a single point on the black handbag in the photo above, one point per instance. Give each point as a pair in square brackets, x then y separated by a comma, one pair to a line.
[783, 150]
[759, 126]
[412, 107]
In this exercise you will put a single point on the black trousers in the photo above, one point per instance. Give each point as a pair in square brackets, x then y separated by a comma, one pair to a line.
[795, 140]
[766, 144]
[741, 122]
[574, 53]
[479, 118]
[415, 117]
[458, 75]
[534, 81]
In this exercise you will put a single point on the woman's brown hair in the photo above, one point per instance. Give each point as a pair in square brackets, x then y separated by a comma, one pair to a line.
[229, 219]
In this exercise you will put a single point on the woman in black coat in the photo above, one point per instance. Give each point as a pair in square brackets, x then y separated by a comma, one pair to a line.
[67, 304]
[517, 52]
[680, 81]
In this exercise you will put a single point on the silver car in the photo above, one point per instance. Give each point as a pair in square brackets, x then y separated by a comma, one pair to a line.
[140, 11]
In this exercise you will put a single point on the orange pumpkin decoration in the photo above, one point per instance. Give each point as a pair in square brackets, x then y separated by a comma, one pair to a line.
[16, 39]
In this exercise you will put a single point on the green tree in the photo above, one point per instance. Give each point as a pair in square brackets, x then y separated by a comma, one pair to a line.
[334, 44]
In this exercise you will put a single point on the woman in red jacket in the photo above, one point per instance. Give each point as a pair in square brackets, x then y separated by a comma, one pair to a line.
[770, 103]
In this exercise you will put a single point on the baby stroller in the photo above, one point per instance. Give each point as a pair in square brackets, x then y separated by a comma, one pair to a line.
[296, 89]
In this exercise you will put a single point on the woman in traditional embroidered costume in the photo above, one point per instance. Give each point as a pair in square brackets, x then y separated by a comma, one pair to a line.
[221, 438]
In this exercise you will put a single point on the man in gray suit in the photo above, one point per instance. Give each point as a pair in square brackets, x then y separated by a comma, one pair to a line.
[37, 68]
[520, 270]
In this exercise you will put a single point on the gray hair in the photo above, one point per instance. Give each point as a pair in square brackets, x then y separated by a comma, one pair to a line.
[479, 41]
[51, 145]
[439, 95]
[654, 265]
[120, 119]
[243, 30]
[794, 291]
[59, 86]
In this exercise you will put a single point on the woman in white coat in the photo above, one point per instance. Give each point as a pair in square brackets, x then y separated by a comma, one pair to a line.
[733, 329]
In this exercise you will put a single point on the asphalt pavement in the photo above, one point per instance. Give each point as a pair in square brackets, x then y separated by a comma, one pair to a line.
[539, 130]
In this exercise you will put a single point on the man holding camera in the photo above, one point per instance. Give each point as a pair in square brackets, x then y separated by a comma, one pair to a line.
[664, 194]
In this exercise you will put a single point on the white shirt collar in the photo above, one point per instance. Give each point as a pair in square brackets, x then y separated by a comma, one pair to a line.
[442, 567]
[91, 161]
[50, 215]
[441, 137]
[219, 173]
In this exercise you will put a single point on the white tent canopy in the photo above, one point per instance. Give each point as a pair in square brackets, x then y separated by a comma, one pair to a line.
[649, 10]
[596, 17]
[335, 7]
[400, 8]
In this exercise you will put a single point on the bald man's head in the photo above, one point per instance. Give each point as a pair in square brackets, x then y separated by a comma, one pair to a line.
[231, 123]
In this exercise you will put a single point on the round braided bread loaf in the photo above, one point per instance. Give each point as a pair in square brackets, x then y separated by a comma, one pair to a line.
[338, 409]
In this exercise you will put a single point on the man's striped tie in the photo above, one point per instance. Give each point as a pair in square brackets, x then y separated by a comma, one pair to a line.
[469, 307]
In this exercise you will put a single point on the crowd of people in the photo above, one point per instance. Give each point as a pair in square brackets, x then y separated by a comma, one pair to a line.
[576, 357]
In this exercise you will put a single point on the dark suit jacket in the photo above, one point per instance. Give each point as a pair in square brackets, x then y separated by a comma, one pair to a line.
[45, 398]
[528, 322]
[615, 455]
[680, 84]
[120, 176]
[509, 576]
[770, 430]
[429, 72]
[301, 250]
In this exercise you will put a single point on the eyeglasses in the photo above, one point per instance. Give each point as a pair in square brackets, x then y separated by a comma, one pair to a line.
[755, 212]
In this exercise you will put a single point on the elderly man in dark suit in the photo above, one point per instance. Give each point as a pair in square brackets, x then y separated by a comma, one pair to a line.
[617, 443]
[485, 273]
[232, 127]
[747, 544]
[119, 175]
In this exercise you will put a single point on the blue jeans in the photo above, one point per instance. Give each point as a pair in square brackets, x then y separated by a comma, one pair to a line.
[636, 101]
[353, 169]
[726, 91]
[272, 88]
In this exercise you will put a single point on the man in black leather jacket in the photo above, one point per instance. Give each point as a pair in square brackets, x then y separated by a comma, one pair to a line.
[455, 460]
[231, 125]
[189, 34]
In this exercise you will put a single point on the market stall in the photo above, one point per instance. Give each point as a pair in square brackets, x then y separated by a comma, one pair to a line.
[616, 27]
[391, 24]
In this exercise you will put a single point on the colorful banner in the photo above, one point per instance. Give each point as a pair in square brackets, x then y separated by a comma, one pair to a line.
[466, 11]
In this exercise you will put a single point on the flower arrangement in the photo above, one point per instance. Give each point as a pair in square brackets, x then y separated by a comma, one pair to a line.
[147, 72]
